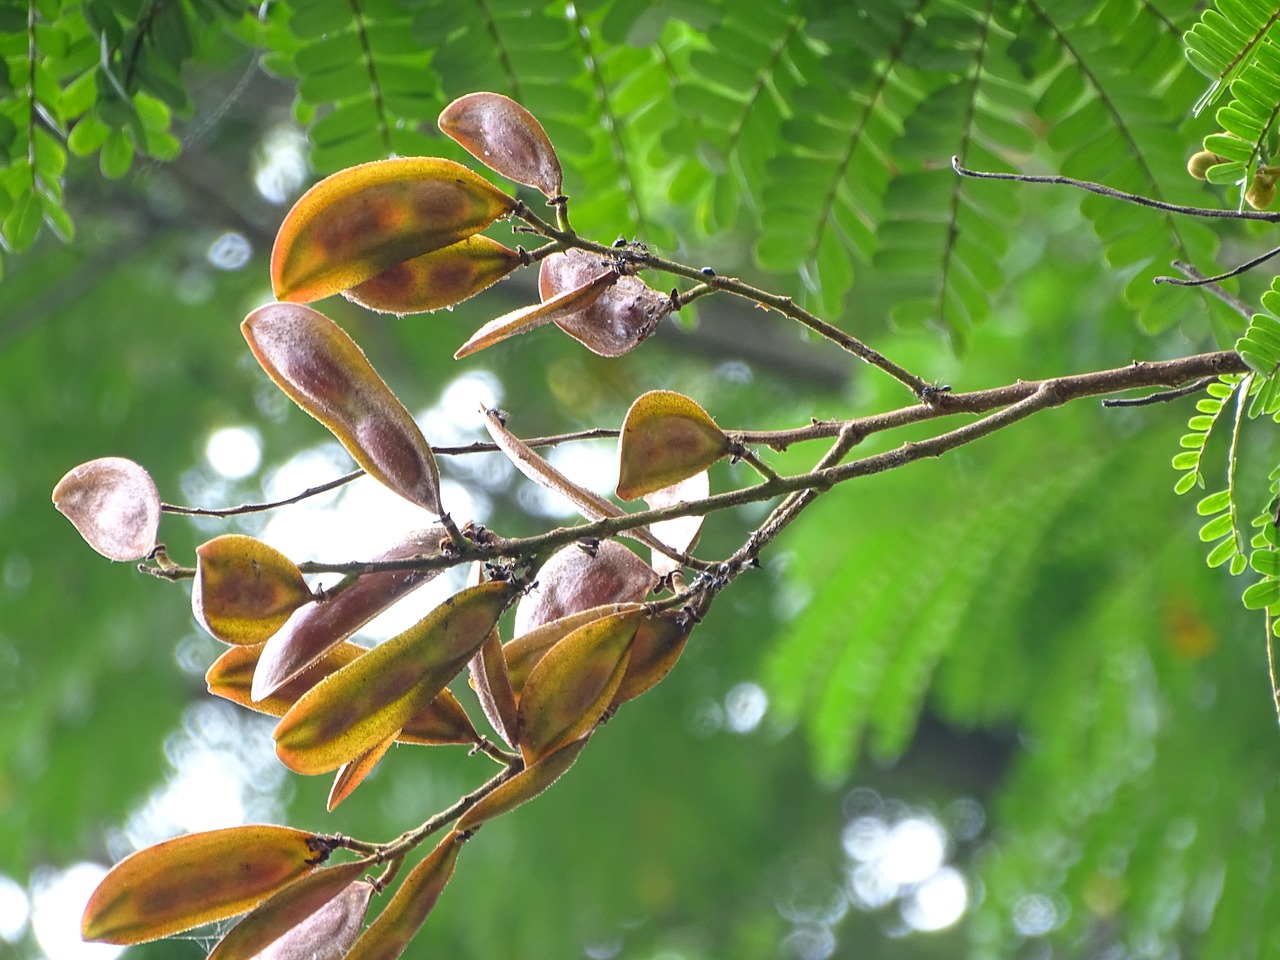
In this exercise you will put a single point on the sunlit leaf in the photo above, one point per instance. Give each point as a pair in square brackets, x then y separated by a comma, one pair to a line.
[666, 438]
[325, 373]
[309, 905]
[355, 224]
[505, 137]
[402, 918]
[437, 279]
[524, 786]
[352, 711]
[202, 877]
[569, 690]
[244, 589]
[114, 504]
[317, 628]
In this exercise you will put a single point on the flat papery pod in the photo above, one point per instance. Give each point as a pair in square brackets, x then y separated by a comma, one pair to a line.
[621, 319]
[441, 721]
[666, 438]
[114, 504]
[318, 627]
[245, 590]
[353, 710]
[655, 649]
[536, 468]
[578, 578]
[488, 669]
[525, 319]
[506, 138]
[323, 371]
[280, 917]
[197, 879]
[523, 653]
[355, 224]
[329, 932]
[571, 687]
[402, 918]
[352, 773]
[437, 279]
[681, 533]
[523, 787]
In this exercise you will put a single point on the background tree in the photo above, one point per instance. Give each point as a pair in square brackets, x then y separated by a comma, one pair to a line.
[1018, 642]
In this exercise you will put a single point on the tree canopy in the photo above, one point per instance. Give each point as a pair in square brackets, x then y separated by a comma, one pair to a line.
[982, 696]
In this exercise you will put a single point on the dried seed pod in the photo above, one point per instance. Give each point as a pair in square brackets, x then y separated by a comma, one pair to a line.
[325, 373]
[505, 137]
[523, 653]
[317, 908]
[245, 590]
[553, 310]
[437, 279]
[355, 224]
[666, 438]
[680, 533]
[655, 649]
[196, 879]
[317, 628]
[352, 773]
[442, 721]
[402, 918]
[489, 678]
[622, 318]
[352, 711]
[524, 786]
[575, 579]
[573, 684]
[114, 504]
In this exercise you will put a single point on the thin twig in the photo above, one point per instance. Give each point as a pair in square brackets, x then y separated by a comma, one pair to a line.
[1232, 301]
[1114, 194]
[1235, 272]
[1164, 396]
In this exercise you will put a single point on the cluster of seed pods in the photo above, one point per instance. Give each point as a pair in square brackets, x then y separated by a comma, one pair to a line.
[404, 236]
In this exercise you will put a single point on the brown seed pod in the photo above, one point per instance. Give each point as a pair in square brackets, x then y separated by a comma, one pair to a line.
[506, 138]
[114, 505]
[437, 279]
[575, 579]
[619, 320]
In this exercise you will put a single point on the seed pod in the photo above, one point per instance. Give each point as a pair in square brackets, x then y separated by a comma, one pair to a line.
[523, 653]
[621, 319]
[437, 279]
[575, 579]
[524, 786]
[552, 310]
[352, 711]
[1199, 164]
[196, 879]
[318, 627]
[114, 504]
[1261, 193]
[505, 137]
[402, 918]
[442, 721]
[245, 590]
[571, 687]
[654, 651]
[352, 773]
[318, 907]
[680, 533]
[323, 371]
[489, 679]
[355, 224]
[666, 438]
